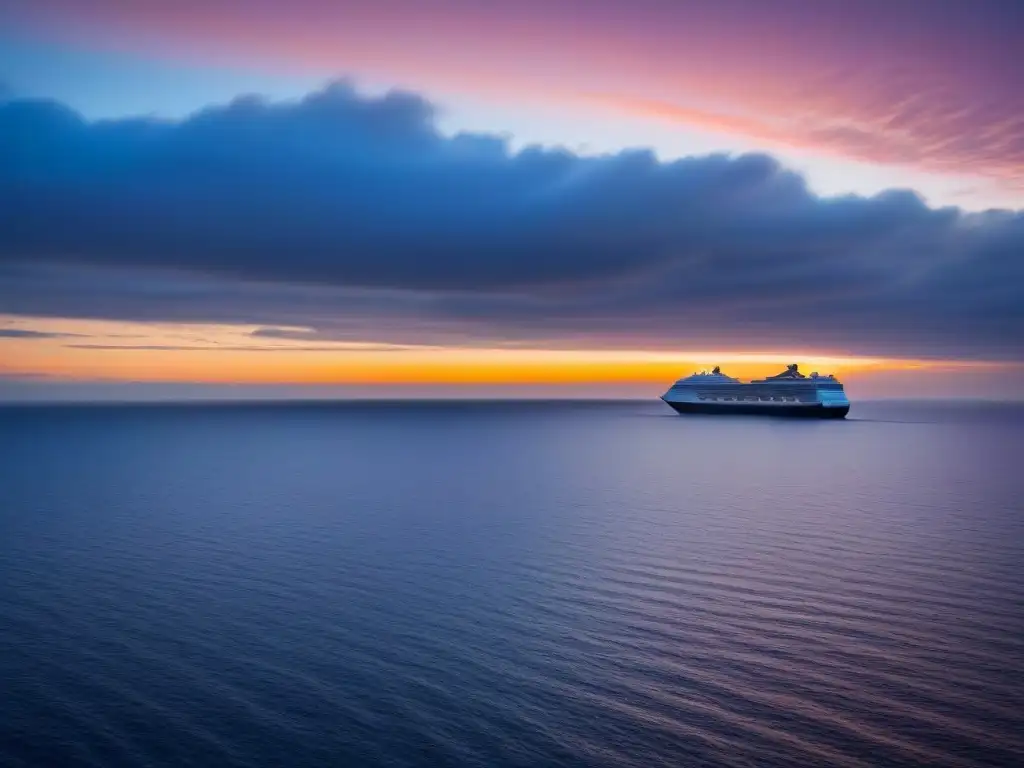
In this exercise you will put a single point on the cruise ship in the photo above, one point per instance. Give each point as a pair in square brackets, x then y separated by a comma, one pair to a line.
[789, 393]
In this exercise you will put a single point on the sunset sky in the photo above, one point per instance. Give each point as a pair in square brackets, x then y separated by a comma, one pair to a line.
[321, 198]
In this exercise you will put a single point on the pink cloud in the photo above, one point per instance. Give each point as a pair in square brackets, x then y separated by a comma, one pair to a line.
[927, 85]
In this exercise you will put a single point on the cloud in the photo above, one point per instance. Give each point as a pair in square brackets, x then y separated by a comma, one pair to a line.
[934, 86]
[241, 347]
[285, 333]
[27, 333]
[354, 218]
[901, 133]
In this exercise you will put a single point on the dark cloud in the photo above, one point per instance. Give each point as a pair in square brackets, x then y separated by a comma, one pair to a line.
[26, 333]
[356, 219]
[284, 333]
[238, 347]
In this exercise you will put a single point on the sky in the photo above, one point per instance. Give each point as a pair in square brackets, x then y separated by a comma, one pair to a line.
[460, 198]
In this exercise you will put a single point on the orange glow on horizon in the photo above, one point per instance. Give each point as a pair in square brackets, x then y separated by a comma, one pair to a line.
[112, 352]
[412, 367]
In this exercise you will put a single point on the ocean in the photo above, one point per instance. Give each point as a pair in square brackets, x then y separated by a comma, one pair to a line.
[510, 584]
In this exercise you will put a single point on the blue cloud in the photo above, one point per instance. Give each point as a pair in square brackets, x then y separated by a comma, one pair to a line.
[28, 333]
[363, 200]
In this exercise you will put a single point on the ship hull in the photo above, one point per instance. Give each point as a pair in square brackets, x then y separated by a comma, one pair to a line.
[805, 411]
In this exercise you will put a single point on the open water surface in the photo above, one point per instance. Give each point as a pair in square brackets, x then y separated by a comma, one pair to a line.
[510, 584]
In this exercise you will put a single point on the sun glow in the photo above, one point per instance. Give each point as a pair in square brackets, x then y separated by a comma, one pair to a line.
[216, 354]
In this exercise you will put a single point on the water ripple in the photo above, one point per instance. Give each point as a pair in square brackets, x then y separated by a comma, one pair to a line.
[506, 586]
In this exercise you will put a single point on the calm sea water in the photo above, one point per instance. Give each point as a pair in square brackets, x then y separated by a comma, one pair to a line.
[517, 584]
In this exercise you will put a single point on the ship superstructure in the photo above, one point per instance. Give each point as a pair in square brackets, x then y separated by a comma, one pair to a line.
[789, 393]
